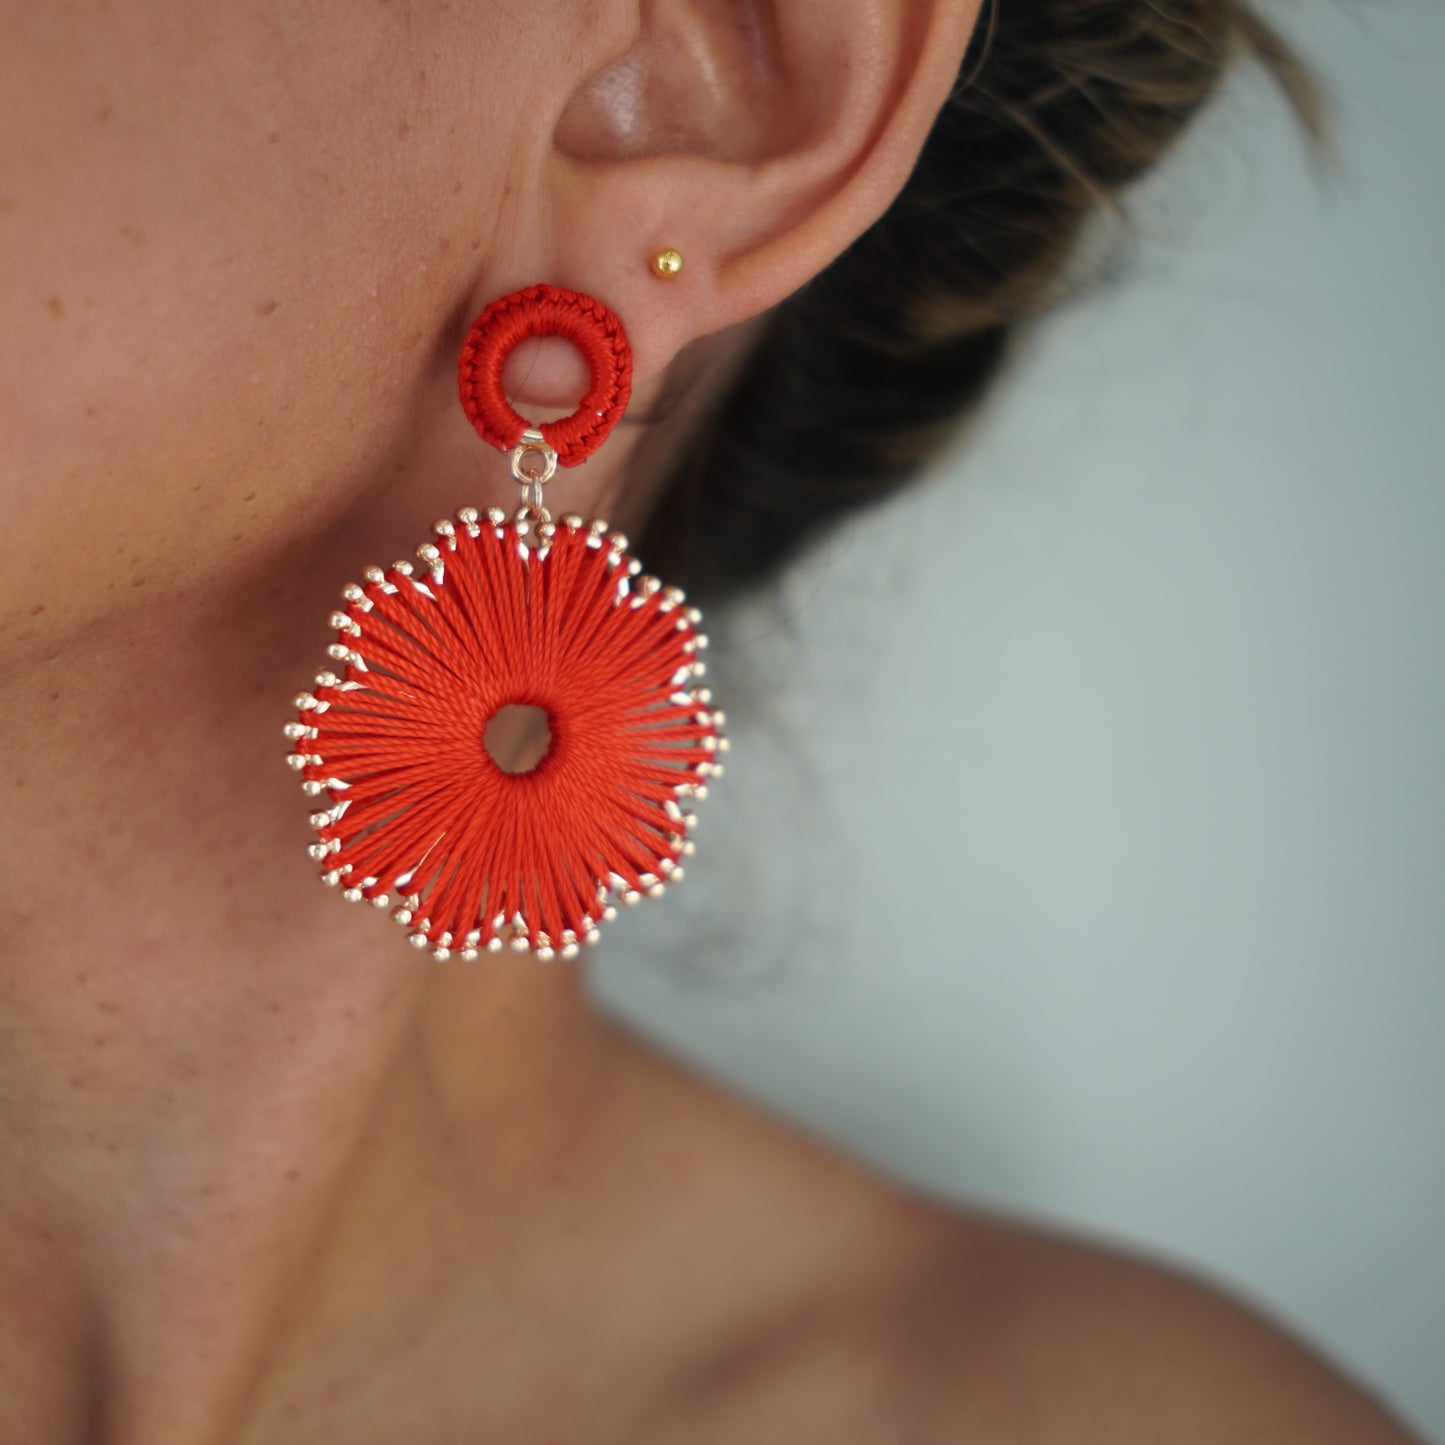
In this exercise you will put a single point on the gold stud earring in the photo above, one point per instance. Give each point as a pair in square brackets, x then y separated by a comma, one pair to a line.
[667, 263]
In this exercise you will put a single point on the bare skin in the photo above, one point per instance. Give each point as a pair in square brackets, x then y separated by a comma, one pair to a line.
[267, 1176]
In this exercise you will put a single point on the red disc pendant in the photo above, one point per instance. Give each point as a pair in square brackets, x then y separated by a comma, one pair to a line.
[414, 813]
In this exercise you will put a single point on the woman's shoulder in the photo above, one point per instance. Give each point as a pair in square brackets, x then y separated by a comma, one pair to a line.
[1023, 1334]
[874, 1314]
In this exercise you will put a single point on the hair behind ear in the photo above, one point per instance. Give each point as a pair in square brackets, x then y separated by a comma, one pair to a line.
[858, 377]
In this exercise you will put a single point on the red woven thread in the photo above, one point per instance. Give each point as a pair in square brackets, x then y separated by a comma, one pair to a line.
[546, 311]
[424, 814]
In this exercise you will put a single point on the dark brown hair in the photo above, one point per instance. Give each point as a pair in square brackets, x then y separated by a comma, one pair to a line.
[857, 378]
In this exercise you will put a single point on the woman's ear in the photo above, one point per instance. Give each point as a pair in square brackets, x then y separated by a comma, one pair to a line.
[758, 138]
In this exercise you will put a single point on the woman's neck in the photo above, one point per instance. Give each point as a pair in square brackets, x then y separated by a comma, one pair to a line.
[215, 1078]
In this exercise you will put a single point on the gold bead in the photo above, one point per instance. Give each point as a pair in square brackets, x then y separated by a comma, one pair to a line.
[667, 263]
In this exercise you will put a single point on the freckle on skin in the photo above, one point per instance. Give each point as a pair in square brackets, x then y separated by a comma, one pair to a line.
[265, 308]
[56, 307]
[274, 137]
[102, 113]
[403, 130]
[249, 497]
[139, 582]
[37, 610]
[293, 1174]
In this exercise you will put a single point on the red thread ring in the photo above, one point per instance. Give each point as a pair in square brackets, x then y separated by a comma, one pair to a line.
[544, 310]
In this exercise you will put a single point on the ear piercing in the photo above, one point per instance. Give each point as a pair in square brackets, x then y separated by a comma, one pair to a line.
[667, 263]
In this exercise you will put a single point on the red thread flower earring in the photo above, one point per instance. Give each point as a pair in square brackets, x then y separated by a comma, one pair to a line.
[519, 612]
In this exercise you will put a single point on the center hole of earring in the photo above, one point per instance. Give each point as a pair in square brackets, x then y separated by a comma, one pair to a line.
[545, 377]
[517, 737]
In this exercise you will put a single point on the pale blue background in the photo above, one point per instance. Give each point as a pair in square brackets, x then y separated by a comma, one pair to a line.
[1083, 844]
